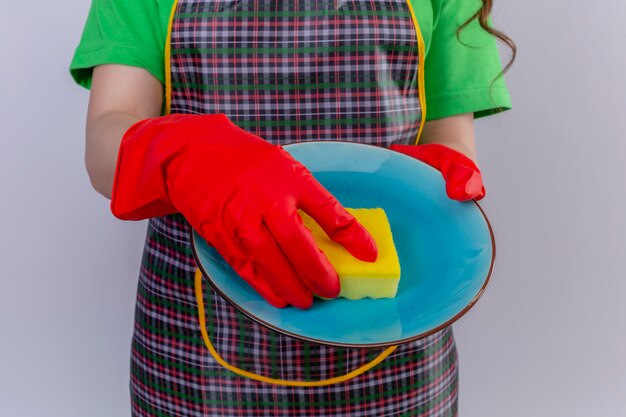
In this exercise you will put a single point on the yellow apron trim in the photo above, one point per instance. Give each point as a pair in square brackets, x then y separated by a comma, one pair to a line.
[168, 68]
[420, 70]
[260, 378]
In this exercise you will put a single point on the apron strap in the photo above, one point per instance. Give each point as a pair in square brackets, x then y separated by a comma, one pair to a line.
[360, 370]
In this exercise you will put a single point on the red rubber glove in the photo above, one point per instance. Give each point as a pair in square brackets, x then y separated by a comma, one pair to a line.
[462, 176]
[241, 194]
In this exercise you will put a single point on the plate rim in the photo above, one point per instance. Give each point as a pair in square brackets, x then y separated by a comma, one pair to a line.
[207, 277]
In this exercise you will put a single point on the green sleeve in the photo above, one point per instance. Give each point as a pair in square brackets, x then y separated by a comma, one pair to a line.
[127, 32]
[459, 72]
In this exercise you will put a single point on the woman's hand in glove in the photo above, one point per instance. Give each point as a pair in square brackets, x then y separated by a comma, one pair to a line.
[447, 144]
[241, 194]
[463, 178]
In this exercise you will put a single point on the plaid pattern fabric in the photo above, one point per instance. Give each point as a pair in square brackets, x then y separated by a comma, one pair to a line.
[287, 71]
[173, 373]
[296, 70]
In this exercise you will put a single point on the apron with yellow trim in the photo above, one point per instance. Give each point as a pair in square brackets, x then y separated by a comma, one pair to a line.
[287, 71]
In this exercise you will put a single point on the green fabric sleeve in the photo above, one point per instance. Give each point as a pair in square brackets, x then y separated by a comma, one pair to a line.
[128, 32]
[459, 72]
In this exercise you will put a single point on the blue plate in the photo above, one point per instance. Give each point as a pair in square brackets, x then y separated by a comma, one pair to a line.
[446, 250]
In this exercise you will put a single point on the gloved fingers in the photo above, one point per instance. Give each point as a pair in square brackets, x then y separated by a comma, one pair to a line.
[462, 176]
[463, 183]
[297, 243]
[474, 188]
[481, 194]
[340, 226]
[272, 266]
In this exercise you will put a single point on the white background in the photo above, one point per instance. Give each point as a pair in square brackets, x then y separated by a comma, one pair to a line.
[548, 338]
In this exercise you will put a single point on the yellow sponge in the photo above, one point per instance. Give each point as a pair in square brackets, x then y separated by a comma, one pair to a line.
[361, 279]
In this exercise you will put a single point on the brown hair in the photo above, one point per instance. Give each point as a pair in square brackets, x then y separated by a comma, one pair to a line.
[482, 15]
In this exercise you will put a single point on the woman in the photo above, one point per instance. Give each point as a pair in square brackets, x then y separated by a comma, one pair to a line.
[235, 79]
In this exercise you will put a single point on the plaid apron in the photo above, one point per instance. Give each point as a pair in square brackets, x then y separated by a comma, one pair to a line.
[286, 71]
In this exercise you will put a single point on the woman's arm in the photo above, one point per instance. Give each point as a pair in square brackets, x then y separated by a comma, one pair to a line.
[456, 132]
[120, 96]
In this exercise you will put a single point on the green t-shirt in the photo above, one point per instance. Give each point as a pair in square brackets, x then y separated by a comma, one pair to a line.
[458, 74]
